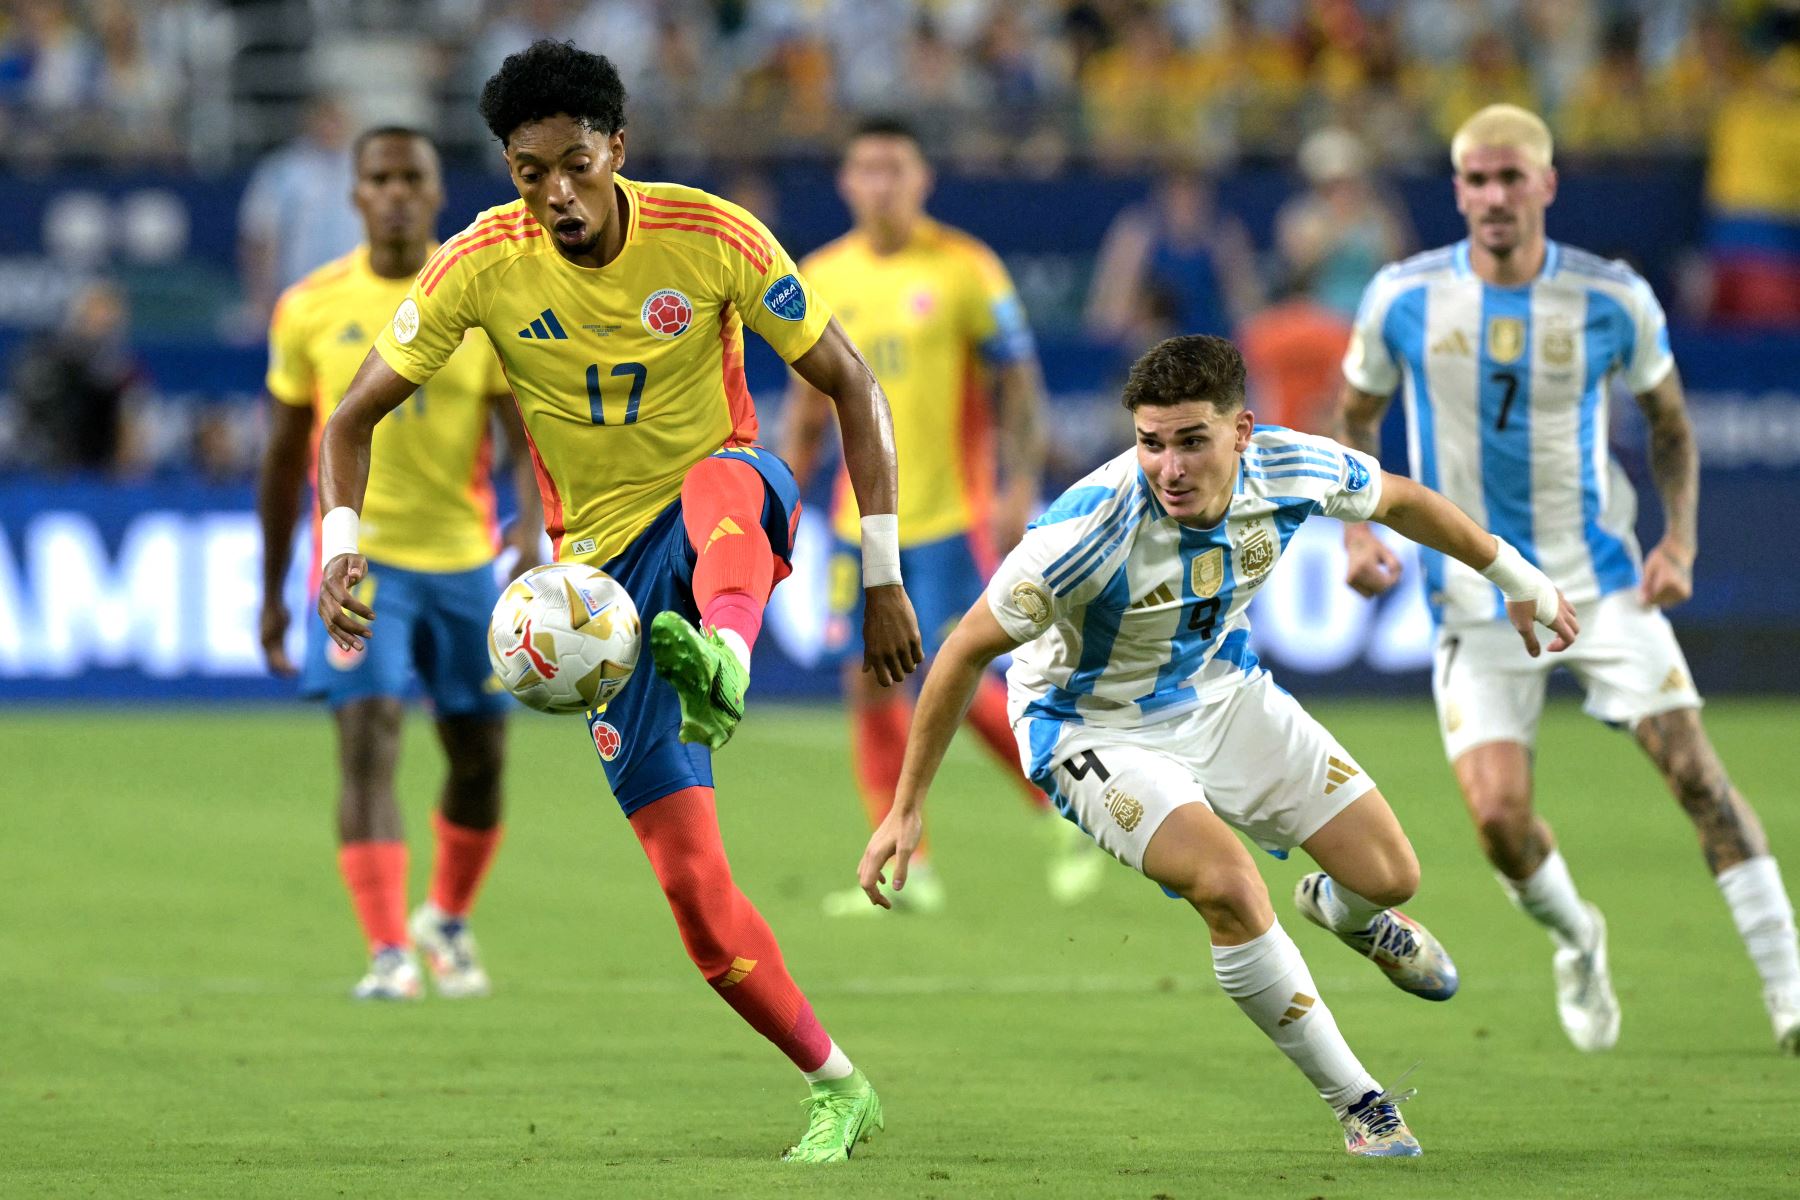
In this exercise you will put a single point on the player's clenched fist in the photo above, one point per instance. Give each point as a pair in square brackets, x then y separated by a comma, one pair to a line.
[338, 606]
[892, 647]
[1372, 568]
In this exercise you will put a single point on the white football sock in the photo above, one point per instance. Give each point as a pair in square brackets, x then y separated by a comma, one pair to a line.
[1549, 898]
[1765, 919]
[734, 642]
[1344, 909]
[836, 1066]
[1270, 982]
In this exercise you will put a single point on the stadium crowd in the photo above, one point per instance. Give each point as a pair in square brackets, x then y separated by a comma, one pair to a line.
[997, 84]
[1178, 93]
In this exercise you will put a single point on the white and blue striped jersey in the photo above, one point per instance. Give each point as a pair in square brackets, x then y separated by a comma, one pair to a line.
[1128, 618]
[1506, 398]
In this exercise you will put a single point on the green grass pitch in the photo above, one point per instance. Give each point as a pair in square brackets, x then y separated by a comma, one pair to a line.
[175, 949]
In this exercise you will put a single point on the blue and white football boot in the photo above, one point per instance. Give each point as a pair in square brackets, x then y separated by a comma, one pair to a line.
[1407, 954]
[1374, 1128]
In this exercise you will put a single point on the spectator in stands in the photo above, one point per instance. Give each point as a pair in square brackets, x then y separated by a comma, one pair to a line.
[47, 68]
[1333, 237]
[1173, 264]
[1490, 73]
[296, 212]
[74, 388]
[135, 96]
[1293, 355]
[1612, 110]
[1691, 88]
[1145, 96]
[1753, 191]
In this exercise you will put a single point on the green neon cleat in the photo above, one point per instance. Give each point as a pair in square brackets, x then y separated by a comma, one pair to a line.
[705, 674]
[839, 1114]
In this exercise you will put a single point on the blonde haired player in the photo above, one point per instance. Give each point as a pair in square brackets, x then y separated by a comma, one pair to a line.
[1504, 347]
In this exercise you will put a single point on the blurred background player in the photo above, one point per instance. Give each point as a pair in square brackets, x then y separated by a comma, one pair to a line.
[943, 329]
[649, 469]
[1173, 264]
[1149, 718]
[296, 215]
[429, 537]
[1507, 343]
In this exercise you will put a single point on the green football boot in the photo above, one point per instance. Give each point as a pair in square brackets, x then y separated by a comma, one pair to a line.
[705, 674]
[839, 1114]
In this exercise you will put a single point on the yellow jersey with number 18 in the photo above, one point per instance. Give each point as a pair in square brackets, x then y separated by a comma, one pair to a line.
[627, 374]
[430, 501]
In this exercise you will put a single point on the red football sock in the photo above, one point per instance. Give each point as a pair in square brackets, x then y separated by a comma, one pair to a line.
[463, 855]
[879, 735]
[987, 717]
[725, 936]
[375, 873]
[721, 506]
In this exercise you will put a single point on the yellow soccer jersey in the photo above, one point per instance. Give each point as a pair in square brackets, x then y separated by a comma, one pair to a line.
[929, 318]
[430, 503]
[627, 374]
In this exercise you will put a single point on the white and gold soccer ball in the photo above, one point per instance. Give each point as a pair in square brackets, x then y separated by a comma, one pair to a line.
[564, 638]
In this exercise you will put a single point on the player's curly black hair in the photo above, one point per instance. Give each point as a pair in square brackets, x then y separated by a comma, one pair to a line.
[549, 78]
[1198, 366]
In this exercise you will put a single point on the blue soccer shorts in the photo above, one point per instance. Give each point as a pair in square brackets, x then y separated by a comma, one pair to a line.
[942, 580]
[430, 628]
[636, 733]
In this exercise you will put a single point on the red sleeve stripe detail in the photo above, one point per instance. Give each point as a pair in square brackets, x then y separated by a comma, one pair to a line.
[487, 225]
[516, 235]
[724, 235]
[667, 210]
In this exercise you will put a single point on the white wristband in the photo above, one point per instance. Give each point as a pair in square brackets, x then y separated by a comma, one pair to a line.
[1519, 580]
[880, 550]
[338, 533]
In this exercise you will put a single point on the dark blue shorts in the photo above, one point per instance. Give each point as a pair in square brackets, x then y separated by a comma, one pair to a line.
[942, 580]
[429, 625]
[636, 733]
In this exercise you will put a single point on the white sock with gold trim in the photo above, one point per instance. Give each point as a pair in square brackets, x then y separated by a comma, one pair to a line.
[1270, 982]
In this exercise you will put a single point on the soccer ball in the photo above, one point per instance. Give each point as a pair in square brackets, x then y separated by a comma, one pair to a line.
[564, 638]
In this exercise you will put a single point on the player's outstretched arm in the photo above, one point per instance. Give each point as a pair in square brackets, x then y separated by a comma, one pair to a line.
[1420, 514]
[956, 672]
[1675, 465]
[376, 391]
[279, 485]
[892, 648]
[1373, 568]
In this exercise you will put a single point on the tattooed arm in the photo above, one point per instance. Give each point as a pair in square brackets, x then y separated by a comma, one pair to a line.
[1675, 465]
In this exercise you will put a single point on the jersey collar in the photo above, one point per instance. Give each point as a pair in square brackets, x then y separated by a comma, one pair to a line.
[1552, 262]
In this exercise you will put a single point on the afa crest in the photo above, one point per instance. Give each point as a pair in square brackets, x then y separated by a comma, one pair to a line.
[1126, 810]
[1559, 347]
[1207, 573]
[1505, 339]
[1256, 553]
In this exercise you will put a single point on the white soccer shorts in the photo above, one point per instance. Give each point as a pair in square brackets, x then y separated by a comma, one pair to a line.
[1256, 758]
[1626, 659]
